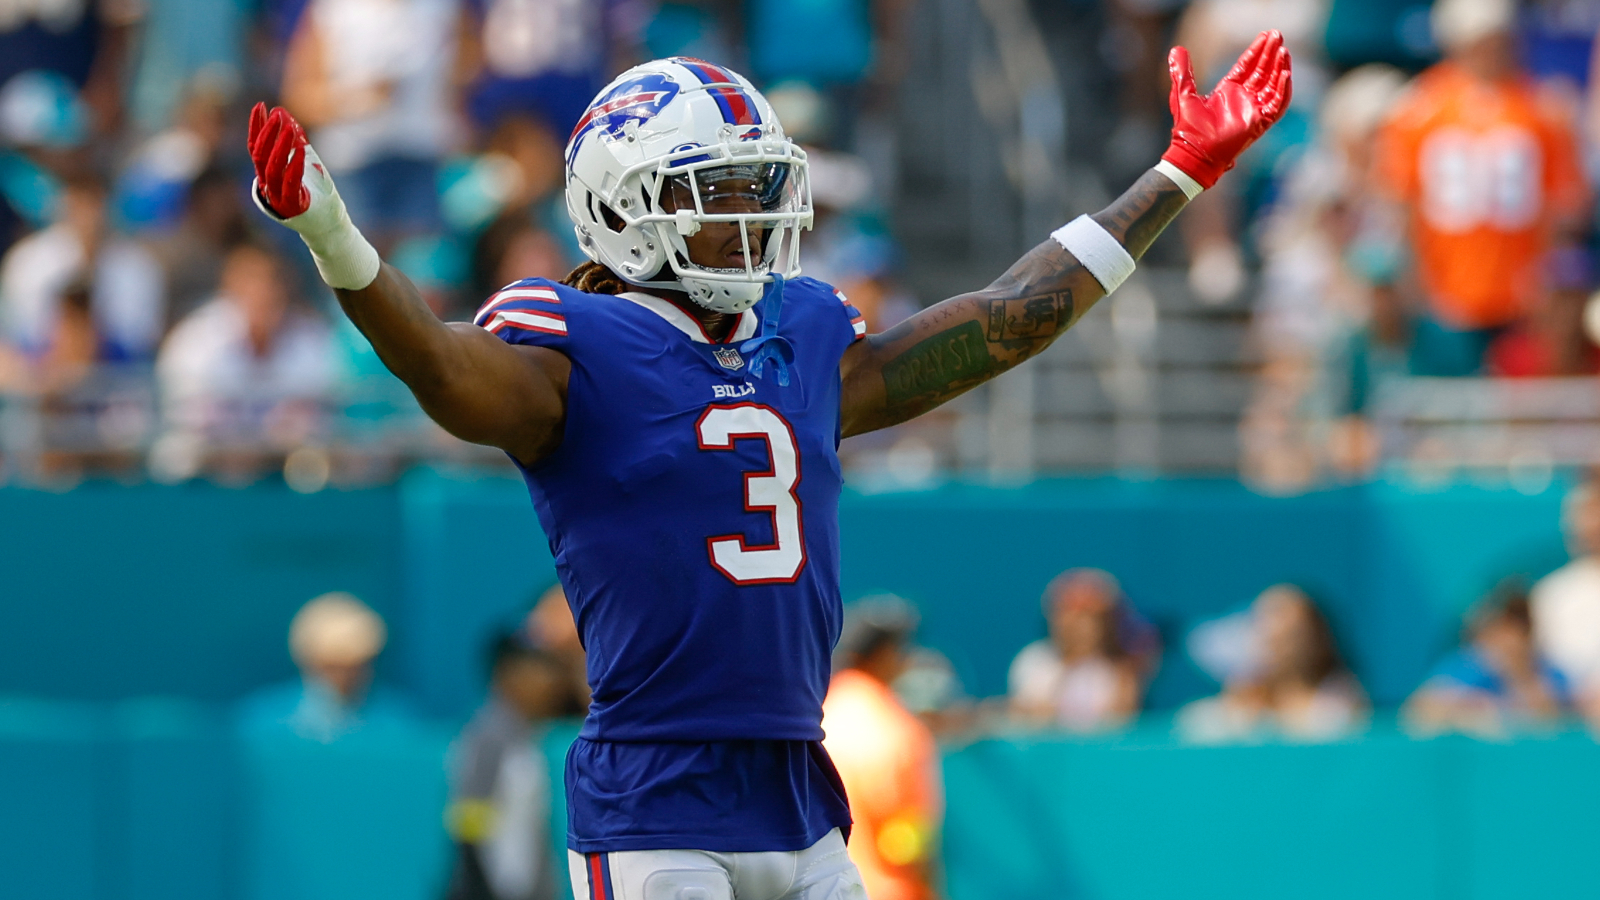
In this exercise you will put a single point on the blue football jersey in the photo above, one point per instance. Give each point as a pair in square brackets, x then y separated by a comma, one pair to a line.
[692, 510]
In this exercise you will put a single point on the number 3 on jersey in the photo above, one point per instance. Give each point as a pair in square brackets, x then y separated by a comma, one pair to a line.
[771, 491]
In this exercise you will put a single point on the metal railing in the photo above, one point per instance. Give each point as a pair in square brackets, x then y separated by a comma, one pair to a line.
[1519, 429]
[989, 162]
[114, 422]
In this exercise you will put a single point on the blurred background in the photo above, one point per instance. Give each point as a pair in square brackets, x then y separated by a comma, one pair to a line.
[1279, 575]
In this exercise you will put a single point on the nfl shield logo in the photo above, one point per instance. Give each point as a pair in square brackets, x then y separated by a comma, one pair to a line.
[729, 358]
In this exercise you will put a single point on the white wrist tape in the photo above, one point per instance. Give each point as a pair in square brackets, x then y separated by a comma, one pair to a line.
[1179, 177]
[1097, 250]
[344, 258]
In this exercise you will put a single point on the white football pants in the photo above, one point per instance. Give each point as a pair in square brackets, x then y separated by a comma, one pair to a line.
[822, 871]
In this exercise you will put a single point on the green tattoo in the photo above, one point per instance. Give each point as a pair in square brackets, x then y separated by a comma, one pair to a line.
[937, 363]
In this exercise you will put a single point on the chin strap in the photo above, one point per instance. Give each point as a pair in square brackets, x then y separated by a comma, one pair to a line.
[770, 345]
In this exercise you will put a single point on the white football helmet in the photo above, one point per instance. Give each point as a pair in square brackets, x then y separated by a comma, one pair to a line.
[703, 139]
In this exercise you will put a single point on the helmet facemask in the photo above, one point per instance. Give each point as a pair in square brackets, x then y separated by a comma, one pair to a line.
[746, 215]
[750, 197]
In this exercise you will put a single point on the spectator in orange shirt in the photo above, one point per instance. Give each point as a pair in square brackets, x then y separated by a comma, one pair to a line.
[885, 755]
[1488, 170]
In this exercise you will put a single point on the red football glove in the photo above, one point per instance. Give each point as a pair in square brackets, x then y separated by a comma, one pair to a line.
[1209, 133]
[293, 187]
[277, 147]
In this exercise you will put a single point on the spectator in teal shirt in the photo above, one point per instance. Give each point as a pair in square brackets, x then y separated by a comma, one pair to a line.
[333, 640]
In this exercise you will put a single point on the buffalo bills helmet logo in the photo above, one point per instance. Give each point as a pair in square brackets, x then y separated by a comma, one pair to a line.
[637, 100]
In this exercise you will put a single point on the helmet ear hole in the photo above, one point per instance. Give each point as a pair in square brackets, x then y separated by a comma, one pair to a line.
[604, 214]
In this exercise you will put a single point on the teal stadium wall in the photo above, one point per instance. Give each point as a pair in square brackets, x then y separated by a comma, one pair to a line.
[130, 617]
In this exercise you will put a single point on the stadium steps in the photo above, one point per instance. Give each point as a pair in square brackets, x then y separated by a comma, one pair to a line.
[1150, 381]
[1161, 389]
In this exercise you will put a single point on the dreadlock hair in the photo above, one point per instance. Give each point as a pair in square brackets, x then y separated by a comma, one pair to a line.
[594, 278]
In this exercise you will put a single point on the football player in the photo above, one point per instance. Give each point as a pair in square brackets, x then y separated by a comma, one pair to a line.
[675, 406]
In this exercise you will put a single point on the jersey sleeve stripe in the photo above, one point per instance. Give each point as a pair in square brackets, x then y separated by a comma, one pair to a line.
[531, 293]
[521, 295]
[511, 304]
[858, 323]
[496, 330]
[527, 321]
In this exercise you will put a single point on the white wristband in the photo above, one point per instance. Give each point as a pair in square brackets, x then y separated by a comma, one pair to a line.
[1182, 179]
[1099, 252]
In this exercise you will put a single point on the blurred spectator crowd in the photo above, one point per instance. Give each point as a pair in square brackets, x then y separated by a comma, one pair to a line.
[1418, 225]
[151, 325]
[1425, 210]
[1527, 658]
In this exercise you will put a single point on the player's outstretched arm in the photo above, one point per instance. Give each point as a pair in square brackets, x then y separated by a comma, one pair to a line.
[954, 346]
[477, 387]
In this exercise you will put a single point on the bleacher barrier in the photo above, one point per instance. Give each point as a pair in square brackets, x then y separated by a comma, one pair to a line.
[162, 802]
[114, 594]
[1380, 816]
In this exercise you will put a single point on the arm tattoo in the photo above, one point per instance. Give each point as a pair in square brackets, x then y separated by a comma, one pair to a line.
[957, 356]
[1137, 224]
[956, 345]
